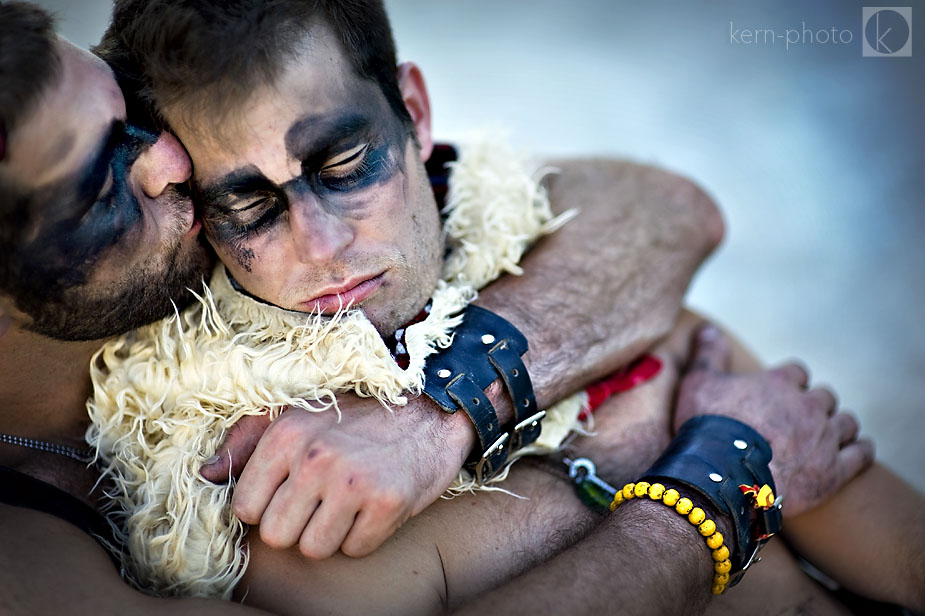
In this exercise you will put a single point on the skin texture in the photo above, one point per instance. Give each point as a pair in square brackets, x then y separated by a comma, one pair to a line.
[43, 386]
[452, 553]
[321, 485]
[324, 189]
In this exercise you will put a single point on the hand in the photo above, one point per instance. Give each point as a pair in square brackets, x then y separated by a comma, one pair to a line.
[324, 485]
[815, 447]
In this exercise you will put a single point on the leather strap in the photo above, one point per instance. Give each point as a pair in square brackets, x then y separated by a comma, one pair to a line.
[472, 400]
[486, 346]
[714, 456]
[514, 374]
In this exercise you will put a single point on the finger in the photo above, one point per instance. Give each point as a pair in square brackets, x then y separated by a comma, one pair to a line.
[846, 427]
[370, 530]
[823, 399]
[711, 350]
[854, 458]
[793, 373]
[237, 448]
[265, 472]
[327, 529]
[287, 514]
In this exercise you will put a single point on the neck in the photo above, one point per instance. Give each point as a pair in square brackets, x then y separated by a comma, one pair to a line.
[44, 385]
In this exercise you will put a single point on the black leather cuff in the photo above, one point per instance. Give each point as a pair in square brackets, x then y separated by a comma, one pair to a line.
[717, 457]
[485, 346]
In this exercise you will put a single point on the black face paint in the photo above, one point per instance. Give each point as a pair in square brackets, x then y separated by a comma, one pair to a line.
[378, 138]
[79, 223]
[65, 229]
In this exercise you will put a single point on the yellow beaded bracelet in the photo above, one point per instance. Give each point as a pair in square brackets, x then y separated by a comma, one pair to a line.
[694, 515]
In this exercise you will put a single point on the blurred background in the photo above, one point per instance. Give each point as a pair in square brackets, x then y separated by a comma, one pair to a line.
[813, 151]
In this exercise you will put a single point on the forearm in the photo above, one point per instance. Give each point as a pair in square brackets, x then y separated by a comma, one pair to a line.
[877, 515]
[643, 559]
[607, 285]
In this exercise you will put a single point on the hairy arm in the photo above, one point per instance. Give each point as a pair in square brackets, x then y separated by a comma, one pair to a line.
[867, 530]
[594, 295]
[609, 284]
[643, 559]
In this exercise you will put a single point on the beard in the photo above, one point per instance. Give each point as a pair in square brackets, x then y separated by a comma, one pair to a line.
[144, 294]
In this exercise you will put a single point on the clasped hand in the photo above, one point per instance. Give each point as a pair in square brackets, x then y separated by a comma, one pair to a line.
[311, 481]
[815, 447]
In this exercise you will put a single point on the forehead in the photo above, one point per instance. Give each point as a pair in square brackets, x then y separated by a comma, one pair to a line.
[316, 90]
[71, 118]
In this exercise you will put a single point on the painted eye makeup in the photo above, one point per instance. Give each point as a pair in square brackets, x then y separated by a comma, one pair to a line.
[105, 192]
[98, 209]
[347, 170]
[359, 168]
[252, 215]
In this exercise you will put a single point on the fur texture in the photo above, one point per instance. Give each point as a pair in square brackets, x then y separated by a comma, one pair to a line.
[166, 394]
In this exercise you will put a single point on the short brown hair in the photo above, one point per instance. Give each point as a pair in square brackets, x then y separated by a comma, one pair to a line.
[208, 56]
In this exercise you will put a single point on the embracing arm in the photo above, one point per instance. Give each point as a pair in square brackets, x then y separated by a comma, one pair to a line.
[593, 296]
[642, 559]
[603, 288]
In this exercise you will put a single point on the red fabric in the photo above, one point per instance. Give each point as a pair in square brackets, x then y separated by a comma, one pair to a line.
[643, 369]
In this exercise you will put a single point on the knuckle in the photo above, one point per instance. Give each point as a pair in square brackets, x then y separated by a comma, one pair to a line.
[272, 537]
[310, 548]
[246, 513]
[388, 504]
[315, 458]
[357, 482]
[357, 547]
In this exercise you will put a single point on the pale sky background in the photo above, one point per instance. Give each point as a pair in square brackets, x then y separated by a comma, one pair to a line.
[813, 152]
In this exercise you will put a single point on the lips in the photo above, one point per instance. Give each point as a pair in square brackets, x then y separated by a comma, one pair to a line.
[351, 293]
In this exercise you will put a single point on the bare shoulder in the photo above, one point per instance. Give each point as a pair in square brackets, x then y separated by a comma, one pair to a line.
[634, 183]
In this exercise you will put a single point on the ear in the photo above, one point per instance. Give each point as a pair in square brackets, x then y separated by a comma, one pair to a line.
[414, 93]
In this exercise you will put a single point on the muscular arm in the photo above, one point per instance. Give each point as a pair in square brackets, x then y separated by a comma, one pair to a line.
[869, 536]
[606, 286]
[643, 560]
[593, 296]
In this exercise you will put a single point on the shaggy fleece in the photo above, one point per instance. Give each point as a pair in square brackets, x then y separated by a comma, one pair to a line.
[165, 395]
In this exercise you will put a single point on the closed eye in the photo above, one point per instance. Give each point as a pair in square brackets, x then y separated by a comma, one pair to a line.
[107, 186]
[347, 157]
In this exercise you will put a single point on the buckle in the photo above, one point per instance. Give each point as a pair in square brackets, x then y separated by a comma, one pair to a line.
[494, 456]
[767, 524]
[527, 431]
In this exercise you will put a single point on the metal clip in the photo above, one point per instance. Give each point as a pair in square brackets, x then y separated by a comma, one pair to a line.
[495, 449]
[531, 422]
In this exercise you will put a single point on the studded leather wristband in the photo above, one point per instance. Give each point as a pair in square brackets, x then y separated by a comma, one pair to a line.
[485, 347]
[726, 462]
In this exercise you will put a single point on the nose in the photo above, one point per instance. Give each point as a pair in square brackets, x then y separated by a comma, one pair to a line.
[318, 235]
[164, 163]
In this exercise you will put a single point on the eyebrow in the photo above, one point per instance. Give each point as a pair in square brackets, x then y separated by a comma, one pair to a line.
[242, 181]
[309, 138]
[312, 134]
